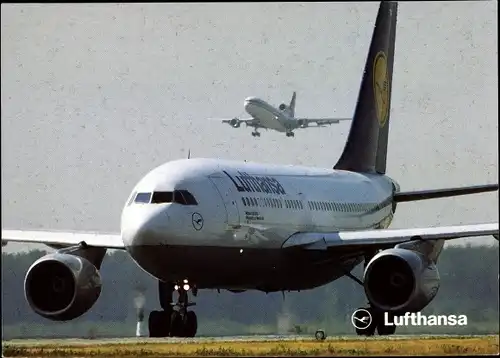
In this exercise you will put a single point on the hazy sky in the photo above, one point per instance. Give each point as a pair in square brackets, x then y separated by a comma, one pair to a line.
[96, 95]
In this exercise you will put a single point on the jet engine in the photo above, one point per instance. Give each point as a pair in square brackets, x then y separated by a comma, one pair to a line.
[61, 287]
[282, 107]
[302, 123]
[235, 122]
[400, 280]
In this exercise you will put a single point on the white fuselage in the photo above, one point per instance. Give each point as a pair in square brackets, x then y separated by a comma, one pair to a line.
[248, 206]
[269, 116]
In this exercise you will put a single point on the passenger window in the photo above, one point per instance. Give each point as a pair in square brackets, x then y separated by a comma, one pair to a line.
[143, 198]
[160, 197]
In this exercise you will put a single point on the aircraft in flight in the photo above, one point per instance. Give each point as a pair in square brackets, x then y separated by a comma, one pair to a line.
[204, 223]
[281, 119]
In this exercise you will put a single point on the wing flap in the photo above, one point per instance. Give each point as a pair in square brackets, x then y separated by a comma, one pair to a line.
[110, 241]
[388, 237]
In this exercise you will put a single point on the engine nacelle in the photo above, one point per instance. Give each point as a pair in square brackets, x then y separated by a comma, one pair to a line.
[302, 123]
[61, 287]
[235, 122]
[400, 280]
[282, 107]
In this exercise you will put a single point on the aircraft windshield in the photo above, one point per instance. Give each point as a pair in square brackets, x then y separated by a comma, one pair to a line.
[143, 198]
[182, 197]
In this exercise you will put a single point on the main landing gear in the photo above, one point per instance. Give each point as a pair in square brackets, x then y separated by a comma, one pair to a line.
[290, 134]
[255, 134]
[368, 319]
[172, 322]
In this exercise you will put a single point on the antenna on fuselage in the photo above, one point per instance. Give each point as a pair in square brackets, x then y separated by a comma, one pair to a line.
[189, 154]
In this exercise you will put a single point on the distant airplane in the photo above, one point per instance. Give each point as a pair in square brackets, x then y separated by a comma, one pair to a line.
[281, 119]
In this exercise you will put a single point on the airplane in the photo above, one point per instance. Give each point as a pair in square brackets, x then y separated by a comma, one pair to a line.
[281, 119]
[205, 223]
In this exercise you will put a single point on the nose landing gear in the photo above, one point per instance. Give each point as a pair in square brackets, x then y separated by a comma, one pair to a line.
[183, 323]
[175, 320]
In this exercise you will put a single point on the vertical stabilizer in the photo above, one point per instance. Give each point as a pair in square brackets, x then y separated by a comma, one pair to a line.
[292, 105]
[366, 146]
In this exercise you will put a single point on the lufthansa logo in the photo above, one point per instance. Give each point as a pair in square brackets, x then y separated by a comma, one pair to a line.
[197, 221]
[381, 87]
[361, 319]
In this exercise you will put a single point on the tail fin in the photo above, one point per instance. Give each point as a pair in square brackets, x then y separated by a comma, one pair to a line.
[366, 146]
[292, 104]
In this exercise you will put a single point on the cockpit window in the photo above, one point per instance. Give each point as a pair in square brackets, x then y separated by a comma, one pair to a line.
[162, 197]
[182, 197]
[188, 198]
[143, 198]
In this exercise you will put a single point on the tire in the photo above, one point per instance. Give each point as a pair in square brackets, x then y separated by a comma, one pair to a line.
[384, 330]
[191, 324]
[176, 325]
[159, 324]
[320, 335]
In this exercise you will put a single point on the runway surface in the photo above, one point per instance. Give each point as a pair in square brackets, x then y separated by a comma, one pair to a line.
[263, 338]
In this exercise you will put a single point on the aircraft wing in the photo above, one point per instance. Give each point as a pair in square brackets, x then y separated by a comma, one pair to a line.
[321, 121]
[236, 122]
[381, 239]
[110, 241]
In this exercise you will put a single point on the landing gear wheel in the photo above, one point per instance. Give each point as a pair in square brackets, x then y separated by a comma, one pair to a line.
[190, 324]
[364, 320]
[320, 335]
[159, 324]
[384, 330]
[176, 324]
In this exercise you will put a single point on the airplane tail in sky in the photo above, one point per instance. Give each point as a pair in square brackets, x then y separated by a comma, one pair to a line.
[366, 146]
[291, 106]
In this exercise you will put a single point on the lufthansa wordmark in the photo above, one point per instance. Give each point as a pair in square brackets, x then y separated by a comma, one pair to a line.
[259, 184]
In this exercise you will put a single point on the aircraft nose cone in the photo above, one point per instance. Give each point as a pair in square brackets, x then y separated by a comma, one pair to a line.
[145, 227]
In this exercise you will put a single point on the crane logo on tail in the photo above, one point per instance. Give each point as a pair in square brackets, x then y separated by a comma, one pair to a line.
[381, 87]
